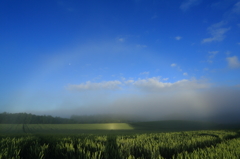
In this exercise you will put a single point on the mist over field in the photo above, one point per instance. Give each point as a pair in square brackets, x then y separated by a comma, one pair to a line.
[205, 104]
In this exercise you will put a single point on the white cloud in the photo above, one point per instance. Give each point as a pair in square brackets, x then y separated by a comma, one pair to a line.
[228, 53]
[144, 73]
[173, 65]
[217, 32]
[151, 84]
[165, 79]
[213, 52]
[185, 73]
[109, 85]
[238, 43]
[178, 37]
[236, 8]
[147, 84]
[189, 3]
[121, 39]
[212, 55]
[233, 62]
[128, 81]
[123, 79]
[206, 69]
[154, 84]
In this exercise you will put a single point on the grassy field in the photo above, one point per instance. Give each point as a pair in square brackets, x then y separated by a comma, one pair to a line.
[143, 140]
[63, 128]
[172, 145]
[140, 127]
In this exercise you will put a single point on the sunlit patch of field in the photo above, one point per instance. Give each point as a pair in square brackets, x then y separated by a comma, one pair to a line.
[107, 126]
[62, 128]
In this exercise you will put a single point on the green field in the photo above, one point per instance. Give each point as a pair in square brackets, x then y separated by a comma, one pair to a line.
[138, 127]
[146, 140]
[62, 128]
[178, 145]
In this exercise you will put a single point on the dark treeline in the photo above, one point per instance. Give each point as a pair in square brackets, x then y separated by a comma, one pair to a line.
[25, 118]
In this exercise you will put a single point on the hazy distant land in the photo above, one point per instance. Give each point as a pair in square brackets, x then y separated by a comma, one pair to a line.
[30, 123]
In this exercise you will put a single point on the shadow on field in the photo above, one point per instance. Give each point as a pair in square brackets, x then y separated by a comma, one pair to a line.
[23, 128]
[111, 150]
[238, 134]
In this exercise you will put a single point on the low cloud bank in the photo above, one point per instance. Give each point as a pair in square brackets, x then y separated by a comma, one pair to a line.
[151, 99]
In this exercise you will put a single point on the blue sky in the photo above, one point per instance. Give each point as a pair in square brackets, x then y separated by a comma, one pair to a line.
[147, 57]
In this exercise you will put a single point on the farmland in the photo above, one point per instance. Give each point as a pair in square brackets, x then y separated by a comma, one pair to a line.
[118, 140]
[61, 128]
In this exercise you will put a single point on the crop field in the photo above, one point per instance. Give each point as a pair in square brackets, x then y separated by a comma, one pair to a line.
[61, 128]
[147, 127]
[96, 141]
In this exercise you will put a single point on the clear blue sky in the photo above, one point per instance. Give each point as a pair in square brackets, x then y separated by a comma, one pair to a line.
[151, 57]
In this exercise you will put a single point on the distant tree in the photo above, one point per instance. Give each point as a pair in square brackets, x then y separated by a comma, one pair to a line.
[24, 118]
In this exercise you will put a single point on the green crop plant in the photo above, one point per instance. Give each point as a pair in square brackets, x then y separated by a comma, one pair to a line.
[44, 145]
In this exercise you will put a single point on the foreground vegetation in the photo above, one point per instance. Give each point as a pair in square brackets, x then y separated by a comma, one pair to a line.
[175, 139]
[175, 145]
